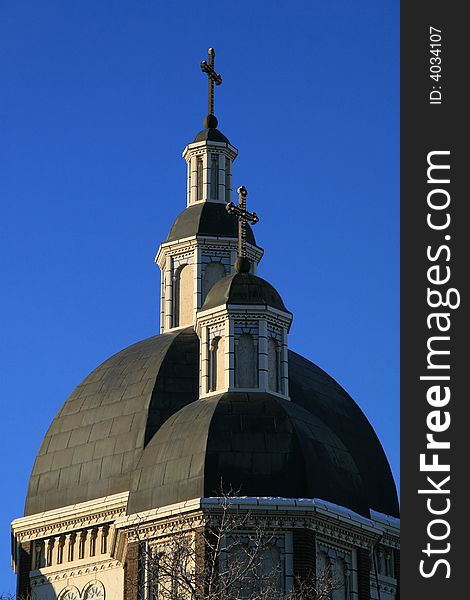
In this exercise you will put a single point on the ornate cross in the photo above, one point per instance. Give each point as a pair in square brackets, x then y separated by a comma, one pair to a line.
[213, 77]
[243, 217]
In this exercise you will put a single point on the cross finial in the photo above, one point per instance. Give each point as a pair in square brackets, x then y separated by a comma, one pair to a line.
[243, 264]
[213, 77]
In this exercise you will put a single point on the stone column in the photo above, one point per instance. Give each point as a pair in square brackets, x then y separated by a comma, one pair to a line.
[50, 552]
[61, 557]
[193, 193]
[70, 549]
[230, 350]
[204, 367]
[93, 542]
[162, 301]
[168, 294]
[284, 364]
[188, 186]
[104, 540]
[206, 182]
[82, 545]
[197, 279]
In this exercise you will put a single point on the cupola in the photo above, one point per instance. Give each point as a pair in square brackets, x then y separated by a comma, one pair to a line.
[201, 247]
[242, 327]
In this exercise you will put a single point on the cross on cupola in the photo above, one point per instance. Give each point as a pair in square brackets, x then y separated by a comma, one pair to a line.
[243, 264]
[213, 77]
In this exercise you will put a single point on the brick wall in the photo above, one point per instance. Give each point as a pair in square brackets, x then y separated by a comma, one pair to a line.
[131, 572]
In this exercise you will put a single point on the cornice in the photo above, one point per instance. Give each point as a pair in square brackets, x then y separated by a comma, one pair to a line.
[334, 523]
[214, 243]
[70, 518]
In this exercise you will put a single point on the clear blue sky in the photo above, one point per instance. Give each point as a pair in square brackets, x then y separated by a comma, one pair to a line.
[98, 101]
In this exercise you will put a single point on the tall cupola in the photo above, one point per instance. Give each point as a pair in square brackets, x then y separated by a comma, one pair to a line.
[201, 247]
[243, 326]
[210, 156]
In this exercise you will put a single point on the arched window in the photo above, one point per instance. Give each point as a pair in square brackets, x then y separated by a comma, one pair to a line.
[94, 590]
[183, 296]
[228, 179]
[214, 176]
[199, 180]
[69, 593]
[252, 569]
[324, 575]
[216, 364]
[339, 580]
[274, 365]
[270, 573]
[247, 364]
[213, 272]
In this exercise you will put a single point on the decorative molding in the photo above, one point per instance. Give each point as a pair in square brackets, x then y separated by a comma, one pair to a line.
[70, 518]
[40, 578]
[209, 243]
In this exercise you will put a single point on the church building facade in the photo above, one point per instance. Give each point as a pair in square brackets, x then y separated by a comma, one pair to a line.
[214, 418]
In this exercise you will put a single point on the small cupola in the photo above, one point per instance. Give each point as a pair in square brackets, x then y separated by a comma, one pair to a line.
[210, 156]
[242, 327]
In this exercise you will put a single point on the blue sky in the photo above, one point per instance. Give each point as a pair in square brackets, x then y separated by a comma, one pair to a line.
[98, 101]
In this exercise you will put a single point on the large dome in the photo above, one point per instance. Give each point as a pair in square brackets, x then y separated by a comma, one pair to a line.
[116, 422]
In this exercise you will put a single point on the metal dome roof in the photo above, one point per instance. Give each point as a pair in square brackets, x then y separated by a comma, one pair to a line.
[211, 134]
[243, 288]
[255, 443]
[117, 415]
[97, 437]
[207, 218]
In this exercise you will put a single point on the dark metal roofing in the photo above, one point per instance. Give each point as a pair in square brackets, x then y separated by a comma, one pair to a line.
[211, 135]
[313, 389]
[207, 218]
[98, 437]
[255, 443]
[243, 288]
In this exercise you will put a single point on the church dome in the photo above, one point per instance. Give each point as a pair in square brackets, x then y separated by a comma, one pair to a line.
[243, 288]
[254, 443]
[207, 219]
[119, 417]
[97, 437]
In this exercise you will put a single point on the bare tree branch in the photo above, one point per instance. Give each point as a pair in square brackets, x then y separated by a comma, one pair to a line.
[225, 554]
